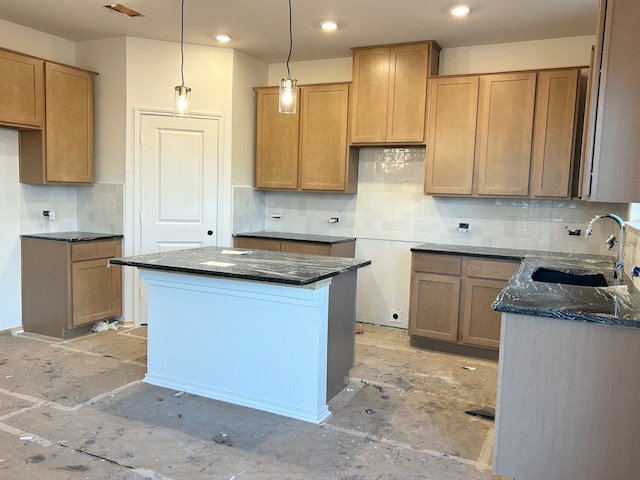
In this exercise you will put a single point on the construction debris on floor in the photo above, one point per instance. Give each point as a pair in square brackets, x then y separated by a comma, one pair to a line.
[78, 409]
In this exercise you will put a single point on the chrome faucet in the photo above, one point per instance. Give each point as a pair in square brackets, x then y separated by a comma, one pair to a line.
[619, 267]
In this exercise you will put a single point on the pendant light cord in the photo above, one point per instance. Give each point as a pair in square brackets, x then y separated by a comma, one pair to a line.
[182, 43]
[290, 40]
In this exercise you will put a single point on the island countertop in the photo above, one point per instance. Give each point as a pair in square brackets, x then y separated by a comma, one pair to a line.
[258, 265]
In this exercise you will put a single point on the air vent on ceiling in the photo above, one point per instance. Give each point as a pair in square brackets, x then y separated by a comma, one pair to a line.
[129, 12]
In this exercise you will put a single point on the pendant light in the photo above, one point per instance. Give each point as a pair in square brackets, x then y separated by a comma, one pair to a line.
[288, 86]
[182, 96]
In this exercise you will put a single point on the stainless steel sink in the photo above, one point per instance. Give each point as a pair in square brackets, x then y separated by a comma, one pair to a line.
[586, 279]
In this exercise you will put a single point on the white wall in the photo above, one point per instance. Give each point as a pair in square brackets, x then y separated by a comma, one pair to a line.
[39, 44]
[319, 71]
[108, 58]
[10, 308]
[555, 52]
[247, 73]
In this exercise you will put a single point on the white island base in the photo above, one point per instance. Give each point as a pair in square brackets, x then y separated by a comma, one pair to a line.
[256, 344]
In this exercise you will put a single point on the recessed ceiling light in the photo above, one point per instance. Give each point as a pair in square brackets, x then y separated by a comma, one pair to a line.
[223, 38]
[459, 10]
[329, 26]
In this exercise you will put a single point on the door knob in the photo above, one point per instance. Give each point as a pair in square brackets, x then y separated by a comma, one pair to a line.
[209, 232]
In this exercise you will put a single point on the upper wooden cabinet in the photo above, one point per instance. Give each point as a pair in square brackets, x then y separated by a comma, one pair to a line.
[554, 133]
[503, 133]
[276, 143]
[610, 164]
[506, 134]
[22, 92]
[451, 135]
[308, 150]
[62, 152]
[389, 92]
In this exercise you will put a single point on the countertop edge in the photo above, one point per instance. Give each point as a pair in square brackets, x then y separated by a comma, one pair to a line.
[297, 237]
[238, 276]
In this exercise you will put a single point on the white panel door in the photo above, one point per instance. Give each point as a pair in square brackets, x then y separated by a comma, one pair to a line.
[179, 182]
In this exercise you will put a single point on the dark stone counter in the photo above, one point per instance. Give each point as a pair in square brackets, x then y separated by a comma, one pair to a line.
[298, 237]
[471, 251]
[259, 265]
[72, 236]
[611, 305]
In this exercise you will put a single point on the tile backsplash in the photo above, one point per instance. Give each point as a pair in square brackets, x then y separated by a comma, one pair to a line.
[390, 205]
[101, 208]
[93, 208]
[248, 210]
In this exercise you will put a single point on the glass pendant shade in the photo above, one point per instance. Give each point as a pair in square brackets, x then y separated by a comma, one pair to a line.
[288, 95]
[182, 101]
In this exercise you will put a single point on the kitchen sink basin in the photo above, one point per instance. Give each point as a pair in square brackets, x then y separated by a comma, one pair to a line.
[548, 275]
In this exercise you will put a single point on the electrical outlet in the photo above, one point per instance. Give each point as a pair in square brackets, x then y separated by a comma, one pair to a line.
[395, 316]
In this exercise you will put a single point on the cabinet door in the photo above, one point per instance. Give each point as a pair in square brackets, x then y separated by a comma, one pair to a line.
[276, 144]
[616, 168]
[586, 152]
[323, 137]
[451, 129]
[480, 324]
[554, 133]
[370, 95]
[433, 311]
[69, 124]
[408, 72]
[96, 291]
[504, 133]
[22, 92]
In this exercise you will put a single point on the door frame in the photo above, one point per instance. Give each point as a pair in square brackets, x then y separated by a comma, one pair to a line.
[133, 203]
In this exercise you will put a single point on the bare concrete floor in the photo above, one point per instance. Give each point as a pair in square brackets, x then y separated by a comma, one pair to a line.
[78, 409]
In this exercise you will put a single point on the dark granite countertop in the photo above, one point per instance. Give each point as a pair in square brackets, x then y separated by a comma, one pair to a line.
[298, 237]
[259, 265]
[611, 305]
[72, 236]
[473, 251]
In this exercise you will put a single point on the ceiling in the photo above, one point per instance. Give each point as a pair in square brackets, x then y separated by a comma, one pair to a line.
[259, 28]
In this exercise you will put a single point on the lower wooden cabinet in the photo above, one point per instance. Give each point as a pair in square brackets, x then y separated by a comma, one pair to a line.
[450, 302]
[68, 285]
[342, 249]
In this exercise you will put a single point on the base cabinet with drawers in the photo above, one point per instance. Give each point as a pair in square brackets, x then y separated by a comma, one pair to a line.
[341, 249]
[66, 286]
[450, 302]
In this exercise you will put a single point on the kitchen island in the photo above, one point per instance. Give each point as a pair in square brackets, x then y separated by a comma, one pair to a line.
[568, 383]
[267, 330]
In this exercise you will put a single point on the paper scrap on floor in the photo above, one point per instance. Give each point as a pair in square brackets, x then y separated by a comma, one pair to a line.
[236, 252]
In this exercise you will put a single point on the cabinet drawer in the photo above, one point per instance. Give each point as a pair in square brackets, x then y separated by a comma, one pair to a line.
[494, 269]
[92, 250]
[308, 248]
[256, 243]
[421, 262]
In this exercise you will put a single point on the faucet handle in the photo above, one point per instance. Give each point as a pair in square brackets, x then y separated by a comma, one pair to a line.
[610, 241]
